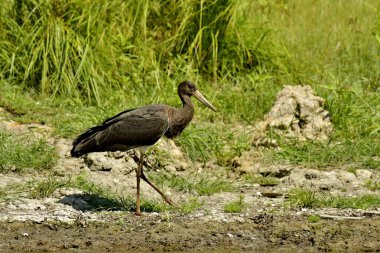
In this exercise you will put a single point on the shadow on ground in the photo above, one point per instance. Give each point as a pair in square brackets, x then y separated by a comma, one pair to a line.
[88, 202]
[94, 202]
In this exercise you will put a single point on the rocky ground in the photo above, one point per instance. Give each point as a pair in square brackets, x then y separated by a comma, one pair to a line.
[67, 220]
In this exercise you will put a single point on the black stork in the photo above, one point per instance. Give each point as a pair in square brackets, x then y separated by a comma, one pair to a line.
[140, 128]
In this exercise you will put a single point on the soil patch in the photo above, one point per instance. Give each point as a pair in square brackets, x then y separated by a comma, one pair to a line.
[185, 233]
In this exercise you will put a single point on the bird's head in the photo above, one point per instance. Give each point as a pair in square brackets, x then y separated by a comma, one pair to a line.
[189, 89]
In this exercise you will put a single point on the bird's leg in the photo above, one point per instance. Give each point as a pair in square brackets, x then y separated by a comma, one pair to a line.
[138, 176]
[168, 200]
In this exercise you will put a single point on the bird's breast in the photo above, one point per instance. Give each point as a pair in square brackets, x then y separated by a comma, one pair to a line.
[178, 120]
[174, 131]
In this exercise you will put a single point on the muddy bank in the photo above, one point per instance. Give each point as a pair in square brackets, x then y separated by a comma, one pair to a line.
[188, 233]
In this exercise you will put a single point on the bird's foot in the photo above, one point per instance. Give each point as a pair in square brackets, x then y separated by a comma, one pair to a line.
[171, 202]
[138, 214]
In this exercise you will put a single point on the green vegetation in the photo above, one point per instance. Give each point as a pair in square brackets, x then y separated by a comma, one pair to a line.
[192, 205]
[72, 63]
[261, 180]
[236, 206]
[303, 198]
[45, 188]
[2, 194]
[313, 218]
[202, 185]
[373, 185]
[204, 143]
[311, 199]
[23, 152]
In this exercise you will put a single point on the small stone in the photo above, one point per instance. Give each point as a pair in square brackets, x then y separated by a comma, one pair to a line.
[170, 168]
[11, 207]
[347, 177]
[230, 235]
[363, 175]
[278, 171]
[102, 162]
[240, 220]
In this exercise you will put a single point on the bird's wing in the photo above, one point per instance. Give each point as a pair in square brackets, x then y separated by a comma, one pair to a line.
[139, 127]
[117, 116]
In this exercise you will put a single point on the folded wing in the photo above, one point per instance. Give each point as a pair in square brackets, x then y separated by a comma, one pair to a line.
[129, 129]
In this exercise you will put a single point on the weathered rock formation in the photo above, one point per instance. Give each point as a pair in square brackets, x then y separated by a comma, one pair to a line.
[298, 114]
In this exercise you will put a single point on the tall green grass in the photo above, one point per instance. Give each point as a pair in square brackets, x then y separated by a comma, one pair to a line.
[83, 48]
[61, 47]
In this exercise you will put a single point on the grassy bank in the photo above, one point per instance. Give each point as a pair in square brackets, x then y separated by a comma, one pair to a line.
[73, 63]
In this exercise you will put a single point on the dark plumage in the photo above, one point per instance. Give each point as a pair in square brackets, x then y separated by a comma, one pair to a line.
[139, 128]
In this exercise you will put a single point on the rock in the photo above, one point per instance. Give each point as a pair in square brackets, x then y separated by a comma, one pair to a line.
[130, 164]
[297, 113]
[246, 164]
[347, 177]
[363, 175]
[275, 171]
[170, 168]
[171, 157]
[324, 180]
[248, 168]
[230, 235]
[264, 141]
[11, 207]
[65, 192]
[29, 204]
[118, 154]
[102, 162]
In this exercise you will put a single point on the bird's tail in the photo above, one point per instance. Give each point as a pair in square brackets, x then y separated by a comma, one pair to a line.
[85, 142]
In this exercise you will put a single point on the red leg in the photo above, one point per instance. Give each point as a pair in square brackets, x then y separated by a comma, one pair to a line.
[168, 200]
[138, 176]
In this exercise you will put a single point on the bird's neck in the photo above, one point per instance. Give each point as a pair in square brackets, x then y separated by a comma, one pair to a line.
[187, 105]
[186, 113]
[180, 117]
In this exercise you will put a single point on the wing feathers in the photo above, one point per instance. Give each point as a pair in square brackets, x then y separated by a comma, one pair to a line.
[126, 130]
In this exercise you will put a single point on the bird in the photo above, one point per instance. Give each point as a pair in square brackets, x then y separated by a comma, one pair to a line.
[140, 128]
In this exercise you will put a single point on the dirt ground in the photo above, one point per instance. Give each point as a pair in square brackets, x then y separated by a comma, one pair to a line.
[266, 225]
[186, 233]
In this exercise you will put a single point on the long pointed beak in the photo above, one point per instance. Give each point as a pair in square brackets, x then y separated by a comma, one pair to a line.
[201, 98]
